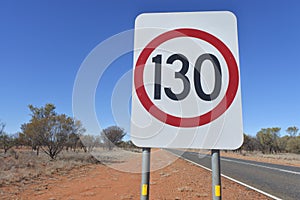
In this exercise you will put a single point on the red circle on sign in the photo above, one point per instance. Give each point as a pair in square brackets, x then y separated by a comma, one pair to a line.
[189, 121]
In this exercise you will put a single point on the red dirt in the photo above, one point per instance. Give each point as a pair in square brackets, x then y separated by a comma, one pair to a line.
[179, 180]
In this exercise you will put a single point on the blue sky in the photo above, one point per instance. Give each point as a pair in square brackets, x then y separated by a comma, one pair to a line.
[43, 43]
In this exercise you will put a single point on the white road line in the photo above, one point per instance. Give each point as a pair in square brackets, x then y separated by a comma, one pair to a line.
[234, 180]
[262, 166]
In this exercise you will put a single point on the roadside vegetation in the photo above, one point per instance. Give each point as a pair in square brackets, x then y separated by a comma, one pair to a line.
[51, 133]
[269, 141]
[51, 143]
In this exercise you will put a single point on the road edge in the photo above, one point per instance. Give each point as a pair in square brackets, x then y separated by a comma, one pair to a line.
[232, 179]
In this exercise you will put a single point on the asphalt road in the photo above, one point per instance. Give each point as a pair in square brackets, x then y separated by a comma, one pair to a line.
[278, 180]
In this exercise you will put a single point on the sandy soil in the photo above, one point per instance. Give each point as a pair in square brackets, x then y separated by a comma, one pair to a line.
[172, 179]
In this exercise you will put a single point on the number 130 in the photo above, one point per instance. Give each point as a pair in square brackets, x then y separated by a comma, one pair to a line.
[186, 82]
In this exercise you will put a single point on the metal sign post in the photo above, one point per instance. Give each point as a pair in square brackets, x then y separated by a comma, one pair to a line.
[216, 174]
[145, 174]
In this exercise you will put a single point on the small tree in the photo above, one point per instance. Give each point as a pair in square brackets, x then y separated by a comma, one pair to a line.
[292, 131]
[48, 130]
[53, 139]
[112, 136]
[6, 141]
[74, 141]
[268, 139]
[89, 142]
[283, 143]
[293, 145]
[30, 135]
[250, 143]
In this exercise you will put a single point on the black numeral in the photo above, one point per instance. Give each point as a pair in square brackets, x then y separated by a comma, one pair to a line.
[218, 77]
[180, 75]
[157, 75]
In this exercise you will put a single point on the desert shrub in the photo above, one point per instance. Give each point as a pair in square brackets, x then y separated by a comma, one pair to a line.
[50, 131]
[29, 166]
[293, 145]
[112, 136]
[78, 157]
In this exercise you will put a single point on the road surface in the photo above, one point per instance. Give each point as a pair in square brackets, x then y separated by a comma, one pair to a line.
[278, 180]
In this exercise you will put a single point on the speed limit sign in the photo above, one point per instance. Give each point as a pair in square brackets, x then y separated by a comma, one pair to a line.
[186, 82]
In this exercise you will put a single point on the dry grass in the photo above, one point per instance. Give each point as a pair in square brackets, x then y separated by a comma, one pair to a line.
[117, 155]
[288, 159]
[19, 166]
[280, 158]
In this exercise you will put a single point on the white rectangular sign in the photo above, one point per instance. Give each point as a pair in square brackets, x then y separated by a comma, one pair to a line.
[186, 81]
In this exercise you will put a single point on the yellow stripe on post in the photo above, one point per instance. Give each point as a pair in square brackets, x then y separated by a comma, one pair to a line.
[217, 190]
[145, 190]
